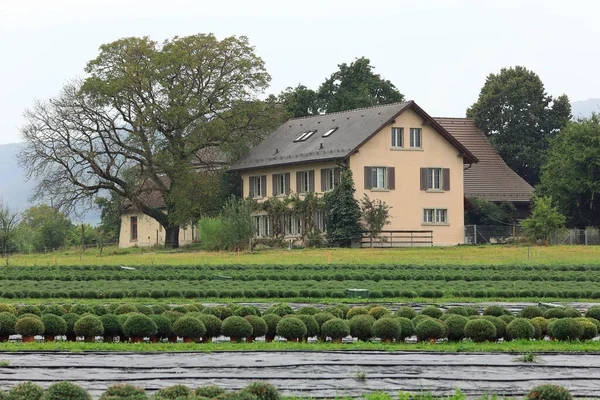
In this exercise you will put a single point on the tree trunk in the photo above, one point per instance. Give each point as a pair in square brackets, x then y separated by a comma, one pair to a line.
[172, 237]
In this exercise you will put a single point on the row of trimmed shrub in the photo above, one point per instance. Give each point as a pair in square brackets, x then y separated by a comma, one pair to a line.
[193, 322]
[289, 293]
[254, 391]
[67, 390]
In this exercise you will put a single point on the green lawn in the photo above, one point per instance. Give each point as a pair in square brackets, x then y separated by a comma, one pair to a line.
[459, 255]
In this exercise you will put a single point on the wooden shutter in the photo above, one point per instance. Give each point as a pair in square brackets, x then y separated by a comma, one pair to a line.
[263, 185]
[242, 187]
[311, 180]
[446, 177]
[423, 178]
[391, 178]
[287, 183]
[368, 178]
[275, 184]
[251, 188]
[323, 179]
[336, 176]
[298, 182]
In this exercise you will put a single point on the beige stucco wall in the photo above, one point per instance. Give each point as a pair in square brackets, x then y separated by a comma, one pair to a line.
[293, 169]
[150, 232]
[407, 200]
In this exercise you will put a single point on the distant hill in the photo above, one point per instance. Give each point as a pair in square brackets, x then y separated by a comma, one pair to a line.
[584, 108]
[15, 191]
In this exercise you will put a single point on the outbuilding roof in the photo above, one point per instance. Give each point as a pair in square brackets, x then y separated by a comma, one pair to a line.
[292, 143]
[490, 179]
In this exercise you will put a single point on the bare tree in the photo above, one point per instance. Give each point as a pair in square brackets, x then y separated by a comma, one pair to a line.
[143, 121]
[8, 224]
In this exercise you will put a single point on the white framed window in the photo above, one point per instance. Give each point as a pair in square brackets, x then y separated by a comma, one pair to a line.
[434, 178]
[397, 137]
[258, 187]
[304, 182]
[435, 216]
[329, 179]
[415, 138]
[292, 225]
[262, 226]
[279, 184]
[379, 177]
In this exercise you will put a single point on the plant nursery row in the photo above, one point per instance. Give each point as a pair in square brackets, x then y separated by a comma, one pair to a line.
[197, 323]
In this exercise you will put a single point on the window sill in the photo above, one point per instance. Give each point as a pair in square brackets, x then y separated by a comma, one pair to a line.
[281, 196]
[435, 191]
[406, 148]
[435, 224]
[133, 240]
[258, 197]
[379, 190]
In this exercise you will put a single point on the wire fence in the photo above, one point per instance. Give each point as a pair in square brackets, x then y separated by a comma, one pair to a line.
[506, 234]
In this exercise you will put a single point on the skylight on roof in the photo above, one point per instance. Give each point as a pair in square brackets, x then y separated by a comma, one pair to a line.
[305, 135]
[329, 132]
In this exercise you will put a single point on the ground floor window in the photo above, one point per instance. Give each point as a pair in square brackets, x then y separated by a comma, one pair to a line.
[435, 216]
[133, 228]
[293, 225]
[261, 226]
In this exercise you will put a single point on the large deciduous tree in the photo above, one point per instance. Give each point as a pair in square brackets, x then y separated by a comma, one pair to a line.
[9, 220]
[351, 86]
[140, 120]
[571, 172]
[519, 118]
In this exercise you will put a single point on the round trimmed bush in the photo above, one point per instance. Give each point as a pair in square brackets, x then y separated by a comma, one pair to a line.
[308, 310]
[54, 325]
[112, 326]
[471, 311]
[387, 329]
[457, 311]
[379, 312]
[406, 327]
[323, 317]
[54, 309]
[139, 326]
[291, 328]
[66, 390]
[7, 323]
[420, 318]
[337, 312]
[507, 318]
[279, 309]
[90, 294]
[29, 310]
[259, 326]
[480, 330]
[499, 324]
[335, 328]
[125, 309]
[566, 329]
[312, 326]
[549, 392]
[431, 311]
[210, 392]
[430, 329]
[25, 391]
[81, 309]
[28, 316]
[70, 319]
[405, 312]
[542, 323]
[354, 311]
[593, 312]
[100, 310]
[262, 390]
[236, 327]
[571, 312]
[89, 325]
[456, 326]
[124, 392]
[555, 313]
[244, 311]
[188, 327]
[495, 311]
[590, 329]
[520, 328]
[530, 312]
[29, 326]
[175, 392]
[212, 325]
[361, 327]
[271, 320]
[8, 308]
[164, 328]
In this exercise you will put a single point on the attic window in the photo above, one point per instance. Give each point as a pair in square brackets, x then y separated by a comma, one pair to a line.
[329, 132]
[305, 135]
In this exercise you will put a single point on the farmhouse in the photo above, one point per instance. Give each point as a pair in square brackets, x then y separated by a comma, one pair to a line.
[423, 167]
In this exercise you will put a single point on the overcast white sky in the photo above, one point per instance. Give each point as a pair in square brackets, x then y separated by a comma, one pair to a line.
[437, 53]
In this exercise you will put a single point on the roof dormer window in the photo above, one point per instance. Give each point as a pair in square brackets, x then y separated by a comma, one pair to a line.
[305, 135]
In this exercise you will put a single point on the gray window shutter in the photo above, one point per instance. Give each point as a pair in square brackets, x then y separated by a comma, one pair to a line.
[287, 183]
[323, 179]
[368, 178]
[336, 176]
[275, 184]
[391, 178]
[446, 176]
[242, 187]
[298, 182]
[251, 188]
[263, 186]
[311, 180]
[423, 178]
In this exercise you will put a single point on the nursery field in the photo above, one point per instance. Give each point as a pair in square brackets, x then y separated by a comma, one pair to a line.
[303, 282]
[457, 255]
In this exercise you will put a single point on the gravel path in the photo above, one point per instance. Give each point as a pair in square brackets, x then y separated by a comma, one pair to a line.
[315, 374]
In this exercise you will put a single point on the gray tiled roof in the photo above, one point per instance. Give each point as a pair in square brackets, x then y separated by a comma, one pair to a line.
[354, 128]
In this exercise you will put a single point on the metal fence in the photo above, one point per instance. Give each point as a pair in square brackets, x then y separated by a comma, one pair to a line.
[505, 234]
